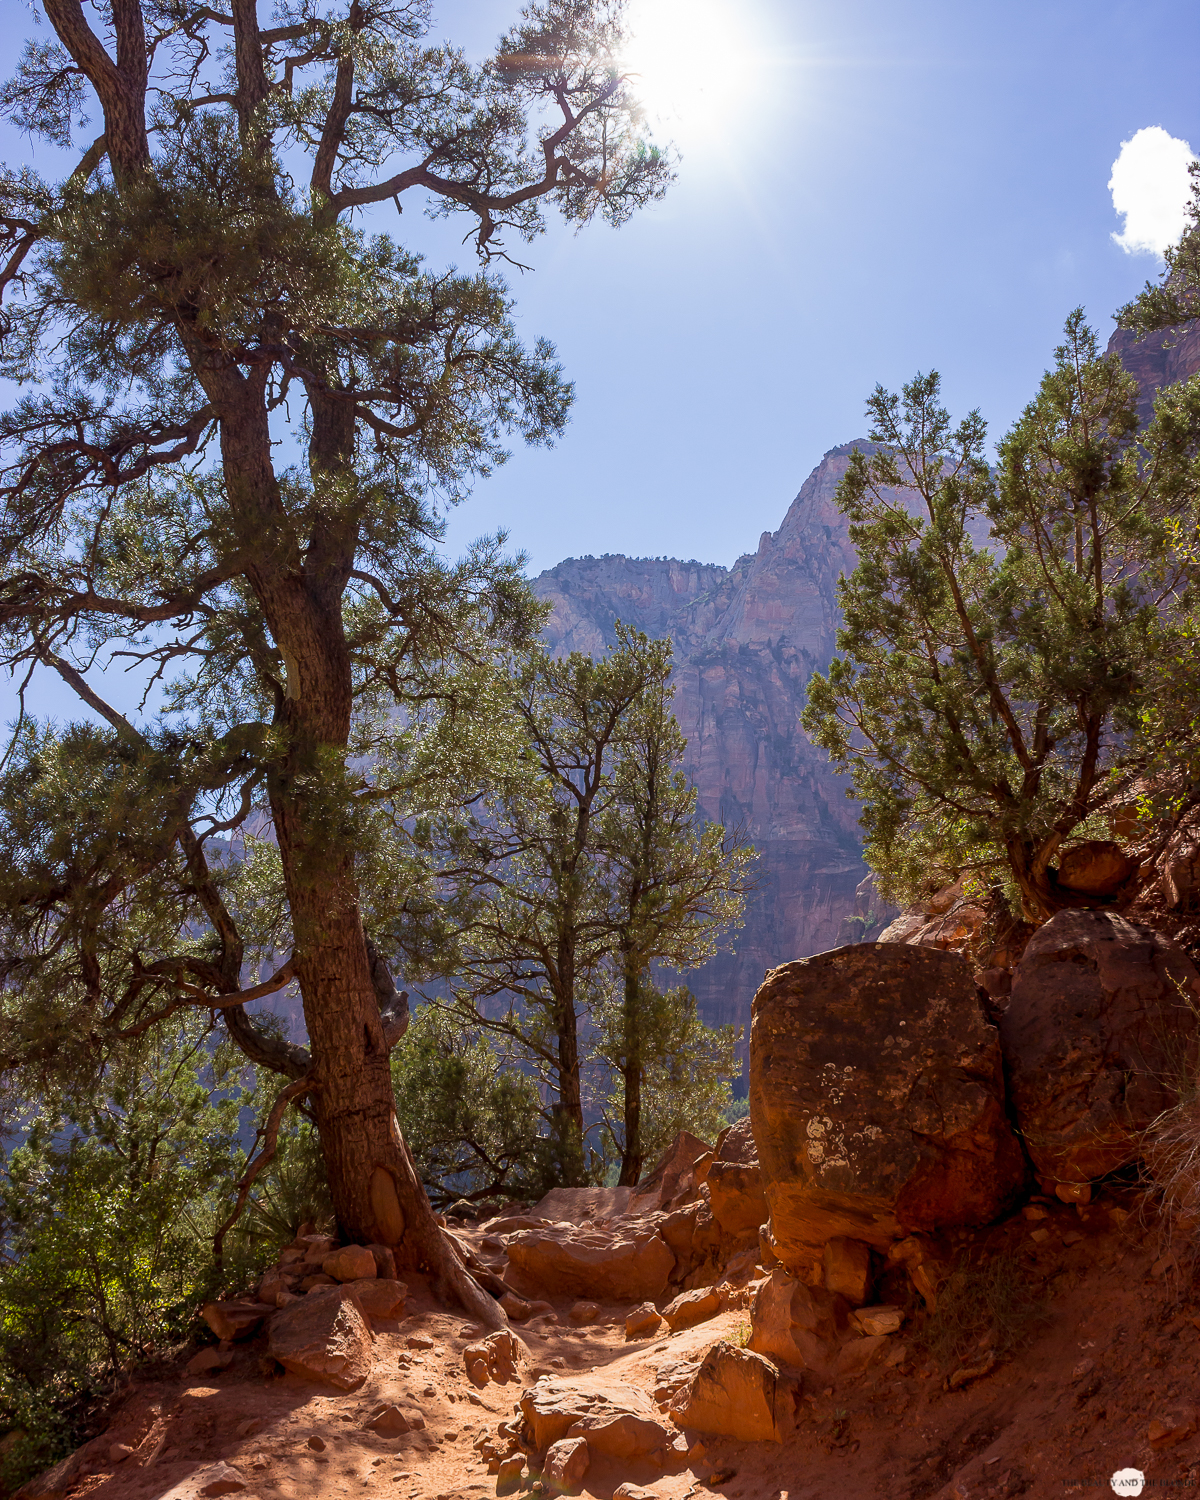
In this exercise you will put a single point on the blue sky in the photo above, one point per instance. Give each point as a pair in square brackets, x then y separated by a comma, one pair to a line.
[866, 189]
[903, 186]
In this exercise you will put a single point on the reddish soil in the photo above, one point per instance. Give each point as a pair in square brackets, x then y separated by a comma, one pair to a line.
[1119, 1348]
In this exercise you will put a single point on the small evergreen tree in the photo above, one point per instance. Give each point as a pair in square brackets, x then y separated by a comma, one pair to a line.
[586, 859]
[471, 1117]
[985, 697]
[679, 889]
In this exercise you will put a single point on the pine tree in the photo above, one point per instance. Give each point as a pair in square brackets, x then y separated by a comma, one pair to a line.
[985, 696]
[198, 288]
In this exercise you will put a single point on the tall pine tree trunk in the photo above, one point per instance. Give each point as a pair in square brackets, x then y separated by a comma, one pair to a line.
[632, 1156]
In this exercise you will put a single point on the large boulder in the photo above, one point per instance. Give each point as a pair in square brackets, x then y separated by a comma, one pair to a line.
[615, 1418]
[795, 1323]
[1097, 867]
[325, 1338]
[628, 1261]
[737, 1394]
[578, 1205]
[735, 1187]
[877, 1099]
[1099, 1037]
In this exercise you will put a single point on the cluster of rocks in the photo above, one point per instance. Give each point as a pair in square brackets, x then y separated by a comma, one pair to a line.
[320, 1299]
[892, 1101]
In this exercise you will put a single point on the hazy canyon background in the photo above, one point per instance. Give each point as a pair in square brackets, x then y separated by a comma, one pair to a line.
[746, 640]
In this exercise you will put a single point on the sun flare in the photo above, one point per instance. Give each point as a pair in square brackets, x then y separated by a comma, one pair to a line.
[690, 61]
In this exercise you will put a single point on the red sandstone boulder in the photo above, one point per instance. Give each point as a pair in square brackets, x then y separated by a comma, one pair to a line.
[380, 1298]
[1098, 1034]
[877, 1099]
[673, 1176]
[738, 1394]
[795, 1323]
[614, 1418]
[627, 1261]
[690, 1308]
[567, 1461]
[324, 1338]
[349, 1263]
[694, 1236]
[235, 1320]
[1096, 867]
[735, 1186]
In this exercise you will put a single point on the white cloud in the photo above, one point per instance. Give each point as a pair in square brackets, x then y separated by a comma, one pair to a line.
[1150, 187]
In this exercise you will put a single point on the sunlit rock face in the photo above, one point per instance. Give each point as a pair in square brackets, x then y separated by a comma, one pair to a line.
[746, 641]
[1158, 360]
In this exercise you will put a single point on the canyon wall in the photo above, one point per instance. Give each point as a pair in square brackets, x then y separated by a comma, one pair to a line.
[746, 640]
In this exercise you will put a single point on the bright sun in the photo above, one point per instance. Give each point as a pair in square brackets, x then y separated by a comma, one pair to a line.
[691, 60]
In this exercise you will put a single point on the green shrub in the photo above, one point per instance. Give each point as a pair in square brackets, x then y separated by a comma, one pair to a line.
[107, 1207]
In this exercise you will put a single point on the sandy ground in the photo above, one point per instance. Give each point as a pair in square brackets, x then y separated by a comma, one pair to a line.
[1119, 1347]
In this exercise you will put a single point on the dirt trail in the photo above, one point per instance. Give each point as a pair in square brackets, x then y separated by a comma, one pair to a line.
[1119, 1349]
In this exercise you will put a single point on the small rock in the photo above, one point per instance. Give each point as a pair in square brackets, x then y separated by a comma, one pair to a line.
[209, 1360]
[221, 1479]
[1040, 1236]
[249, 1427]
[381, 1298]
[631, 1491]
[642, 1321]
[1073, 1192]
[697, 1453]
[1035, 1211]
[1084, 1367]
[317, 1444]
[234, 1320]
[543, 1310]
[419, 1341]
[969, 1374]
[516, 1307]
[1172, 1426]
[584, 1312]
[319, 1278]
[690, 1308]
[510, 1473]
[1072, 1237]
[119, 1452]
[351, 1263]
[882, 1319]
[567, 1462]
[388, 1421]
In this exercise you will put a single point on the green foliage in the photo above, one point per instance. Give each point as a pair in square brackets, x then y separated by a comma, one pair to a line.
[581, 866]
[985, 697]
[107, 1206]
[472, 1120]
[687, 1070]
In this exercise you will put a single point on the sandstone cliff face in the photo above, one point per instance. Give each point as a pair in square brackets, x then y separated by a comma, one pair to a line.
[1158, 360]
[746, 641]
